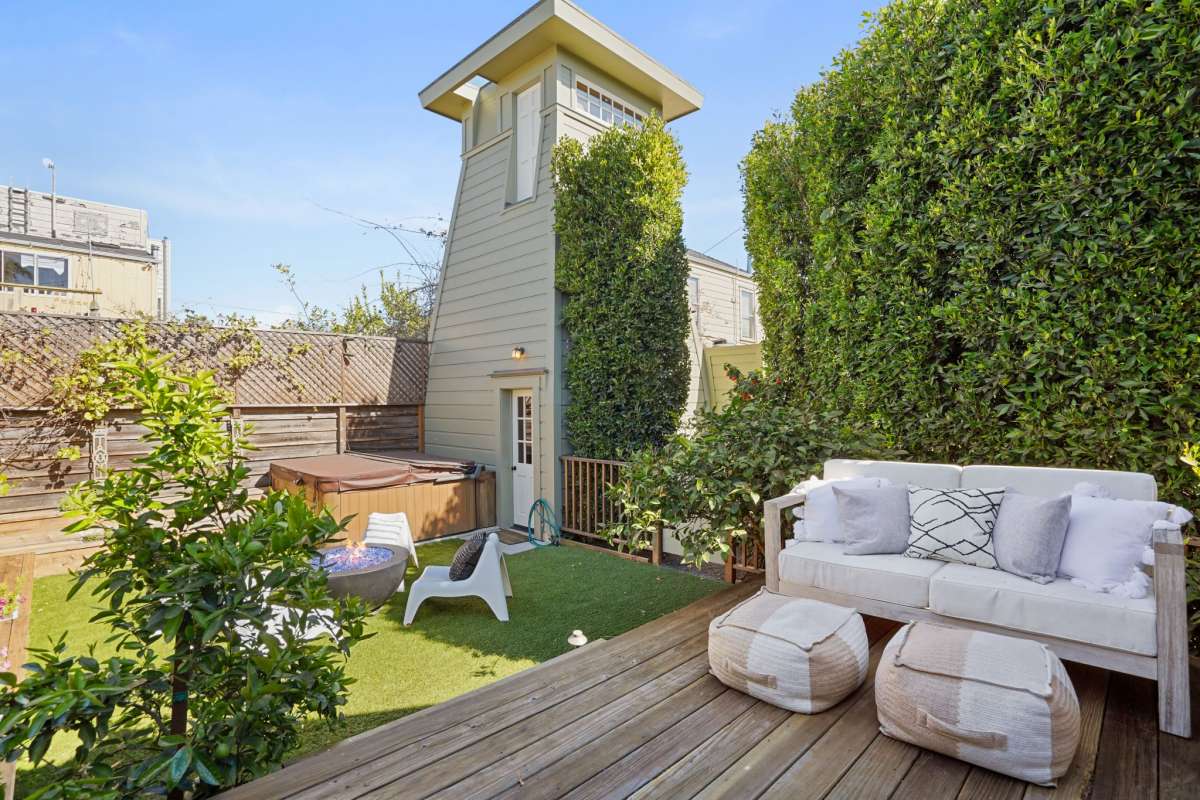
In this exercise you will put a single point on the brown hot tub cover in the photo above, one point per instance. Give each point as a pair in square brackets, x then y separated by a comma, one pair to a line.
[343, 473]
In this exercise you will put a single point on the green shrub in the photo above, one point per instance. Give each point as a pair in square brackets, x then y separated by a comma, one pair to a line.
[707, 486]
[208, 688]
[977, 237]
[1191, 457]
[622, 268]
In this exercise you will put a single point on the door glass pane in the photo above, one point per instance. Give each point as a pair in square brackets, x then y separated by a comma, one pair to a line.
[52, 272]
[18, 268]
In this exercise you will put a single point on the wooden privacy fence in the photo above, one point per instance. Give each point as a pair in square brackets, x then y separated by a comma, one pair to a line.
[301, 394]
[40, 480]
[281, 368]
[589, 506]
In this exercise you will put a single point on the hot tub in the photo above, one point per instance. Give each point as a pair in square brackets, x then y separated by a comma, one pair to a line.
[440, 497]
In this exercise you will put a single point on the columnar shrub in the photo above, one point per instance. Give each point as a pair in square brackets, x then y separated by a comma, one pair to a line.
[622, 268]
[977, 234]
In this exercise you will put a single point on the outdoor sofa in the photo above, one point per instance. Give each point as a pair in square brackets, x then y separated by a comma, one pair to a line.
[1145, 637]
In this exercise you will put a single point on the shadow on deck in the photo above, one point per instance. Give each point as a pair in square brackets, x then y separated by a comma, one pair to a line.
[639, 716]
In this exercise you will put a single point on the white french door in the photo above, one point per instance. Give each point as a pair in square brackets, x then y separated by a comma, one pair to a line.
[522, 455]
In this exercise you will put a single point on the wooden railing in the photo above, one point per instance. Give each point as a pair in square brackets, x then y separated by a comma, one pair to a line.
[747, 559]
[589, 506]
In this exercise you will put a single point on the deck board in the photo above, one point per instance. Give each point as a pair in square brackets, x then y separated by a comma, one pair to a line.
[1179, 759]
[640, 716]
[1127, 761]
[932, 775]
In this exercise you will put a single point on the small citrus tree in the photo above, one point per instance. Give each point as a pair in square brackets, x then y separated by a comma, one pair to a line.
[210, 595]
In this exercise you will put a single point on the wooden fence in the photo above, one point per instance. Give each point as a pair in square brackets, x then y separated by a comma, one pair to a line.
[39, 480]
[589, 507]
[300, 393]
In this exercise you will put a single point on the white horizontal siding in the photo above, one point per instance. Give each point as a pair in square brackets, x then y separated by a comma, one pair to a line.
[493, 297]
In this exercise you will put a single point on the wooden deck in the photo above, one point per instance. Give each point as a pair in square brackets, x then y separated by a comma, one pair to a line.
[639, 716]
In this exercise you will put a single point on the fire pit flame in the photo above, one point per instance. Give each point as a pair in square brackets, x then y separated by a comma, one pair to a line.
[355, 552]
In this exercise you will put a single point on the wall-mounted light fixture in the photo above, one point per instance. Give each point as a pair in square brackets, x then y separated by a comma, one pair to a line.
[518, 353]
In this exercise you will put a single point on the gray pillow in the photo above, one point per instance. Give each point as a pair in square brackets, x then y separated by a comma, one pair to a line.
[874, 521]
[1029, 535]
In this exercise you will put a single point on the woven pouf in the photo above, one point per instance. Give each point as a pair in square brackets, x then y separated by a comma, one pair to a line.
[798, 654]
[998, 702]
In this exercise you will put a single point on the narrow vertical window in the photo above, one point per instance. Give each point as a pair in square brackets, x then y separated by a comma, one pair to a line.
[693, 289]
[746, 327]
[527, 128]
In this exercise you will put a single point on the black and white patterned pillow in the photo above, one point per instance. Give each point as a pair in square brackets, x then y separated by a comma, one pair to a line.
[953, 525]
[467, 557]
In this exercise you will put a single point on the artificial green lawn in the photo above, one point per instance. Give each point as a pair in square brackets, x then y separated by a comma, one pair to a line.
[454, 645]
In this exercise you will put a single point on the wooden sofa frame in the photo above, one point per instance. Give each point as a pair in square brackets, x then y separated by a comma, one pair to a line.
[1169, 667]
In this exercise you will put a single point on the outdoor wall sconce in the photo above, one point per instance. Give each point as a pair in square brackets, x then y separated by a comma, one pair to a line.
[518, 353]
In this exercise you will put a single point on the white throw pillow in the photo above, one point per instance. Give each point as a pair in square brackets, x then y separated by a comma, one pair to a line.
[820, 521]
[1106, 541]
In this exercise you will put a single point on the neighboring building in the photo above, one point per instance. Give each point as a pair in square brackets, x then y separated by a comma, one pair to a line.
[495, 391]
[69, 256]
[725, 327]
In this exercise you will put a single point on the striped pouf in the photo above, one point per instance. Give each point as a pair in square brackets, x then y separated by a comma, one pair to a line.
[995, 701]
[798, 654]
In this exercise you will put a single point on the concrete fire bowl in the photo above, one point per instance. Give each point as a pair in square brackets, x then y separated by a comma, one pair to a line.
[375, 582]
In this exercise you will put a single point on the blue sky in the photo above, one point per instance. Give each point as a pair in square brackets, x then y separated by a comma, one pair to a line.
[233, 124]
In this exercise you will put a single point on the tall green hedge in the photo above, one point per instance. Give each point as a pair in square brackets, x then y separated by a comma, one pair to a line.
[979, 234]
[622, 268]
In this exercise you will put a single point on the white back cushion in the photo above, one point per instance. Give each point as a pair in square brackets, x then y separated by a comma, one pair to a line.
[1052, 481]
[934, 476]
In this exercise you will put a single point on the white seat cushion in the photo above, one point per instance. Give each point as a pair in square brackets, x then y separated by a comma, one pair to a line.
[891, 578]
[935, 476]
[1059, 609]
[1053, 481]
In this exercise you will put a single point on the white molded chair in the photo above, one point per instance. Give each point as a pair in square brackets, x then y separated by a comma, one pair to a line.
[489, 581]
[391, 529]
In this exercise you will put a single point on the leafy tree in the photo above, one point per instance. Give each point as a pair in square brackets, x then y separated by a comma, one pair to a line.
[396, 312]
[622, 268]
[209, 594]
[707, 486]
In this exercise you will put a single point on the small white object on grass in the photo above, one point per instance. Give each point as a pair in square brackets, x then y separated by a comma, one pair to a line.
[577, 639]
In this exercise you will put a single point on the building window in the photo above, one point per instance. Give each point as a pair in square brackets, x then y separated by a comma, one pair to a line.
[746, 322]
[27, 269]
[19, 268]
[528, 130]
[605, 107]
[693, 292]
[52, 272]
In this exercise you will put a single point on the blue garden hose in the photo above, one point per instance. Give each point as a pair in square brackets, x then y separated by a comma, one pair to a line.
[545, 519]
